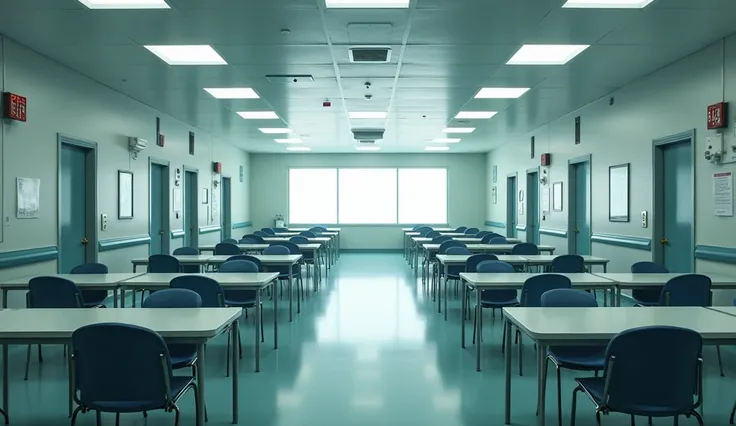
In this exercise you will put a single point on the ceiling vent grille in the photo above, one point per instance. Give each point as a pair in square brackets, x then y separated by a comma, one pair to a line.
[370, 54]
[367, 136]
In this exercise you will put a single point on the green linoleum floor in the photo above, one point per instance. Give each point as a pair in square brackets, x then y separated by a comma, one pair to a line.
[368, 349]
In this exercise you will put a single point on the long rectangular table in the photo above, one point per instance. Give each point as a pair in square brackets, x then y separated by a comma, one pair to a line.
[335, 232]
[187, 259]
[628, 281]
[188, 325]
[244, 248]
[547, 259]
[322, 243]
[597, 326]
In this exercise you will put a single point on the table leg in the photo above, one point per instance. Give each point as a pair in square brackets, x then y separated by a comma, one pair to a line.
[507, 361]
[446, 282]
[298, 295]
[6, 386]
[479, 330]
[618, 296]
[115, 298]
[462, 322]
[69, 379]
[275, 317]
[259, 310]
[122, 296]
[291, 300]
[5, 298]
[541, 398]
[235, 355]
[315, 276]
[416, 259]
[605, 296]
[201, 380]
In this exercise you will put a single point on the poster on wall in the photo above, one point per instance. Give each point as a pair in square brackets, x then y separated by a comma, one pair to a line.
[545, 200]
[215, 206]
[176, 204]
[29, 194]
[723, 194]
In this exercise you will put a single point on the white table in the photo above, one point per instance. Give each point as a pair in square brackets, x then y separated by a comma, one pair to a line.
[228, 281]
[315, 244]
[332, 232]
[628, 281]
[546, 260]
[430, 248]
[109, 282]
[243, 247]
[185, 259]
[287, 260]
[515, 281]
[188, 325]
[597, 326]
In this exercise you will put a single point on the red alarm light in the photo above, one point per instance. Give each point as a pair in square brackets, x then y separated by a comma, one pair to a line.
[14, 106]
[326, 104]
[217, 167]
[546, 159]
[717, 114]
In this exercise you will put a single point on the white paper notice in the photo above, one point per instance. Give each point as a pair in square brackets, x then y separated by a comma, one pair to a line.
[545, 200]
[723, 194]
[177, 200]
[29, 194]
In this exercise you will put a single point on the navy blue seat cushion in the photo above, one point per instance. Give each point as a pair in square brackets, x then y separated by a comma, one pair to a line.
[594, 386]
[579, 358]
[178, 384]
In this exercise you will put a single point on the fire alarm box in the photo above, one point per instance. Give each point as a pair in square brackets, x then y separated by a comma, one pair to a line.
[546, 159]
[14, 107]
[717, 114]
[217, 167]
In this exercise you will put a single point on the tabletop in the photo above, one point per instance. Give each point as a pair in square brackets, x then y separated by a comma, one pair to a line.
[330, 230]
[487, 247]
[81, 280]
[514, 279]
[548, 258]
[169, 323]
[266, 259]
[225, 279]
[434, 229]
[604, 323]
[242, 247]
[654, 280]
[184, 258]
[316, 240]
[460, 259]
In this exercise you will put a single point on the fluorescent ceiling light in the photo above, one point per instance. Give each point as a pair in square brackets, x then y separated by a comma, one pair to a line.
[368, 148]
[298, 148]
[437, 148]
[288, 140]
[478, 115]
[367, 4]
[546, 54]
[501, 92]
[608, 4]
[187, 55]
[363, 114]
[125, 4]
[458, 130]
[274, 131]
[233, 93]
[258, 115]
[446, 140]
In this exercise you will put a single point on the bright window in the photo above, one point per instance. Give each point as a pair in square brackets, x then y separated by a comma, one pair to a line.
[367, 196]
[423, 196]
[312, 196]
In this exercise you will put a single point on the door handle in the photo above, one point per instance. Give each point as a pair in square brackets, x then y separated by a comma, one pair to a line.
[161, 232]
[85, 240]
[577, 231]
[665, 242]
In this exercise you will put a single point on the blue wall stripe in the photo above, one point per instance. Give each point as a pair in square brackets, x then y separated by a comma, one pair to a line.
[177, 233]
[628, 241]
[239, 225]
[562, 233]
[371, 250]
[123, 242]
[209, 229]
[715, 253]
[521, 228]
[495, 224]
[27, 256]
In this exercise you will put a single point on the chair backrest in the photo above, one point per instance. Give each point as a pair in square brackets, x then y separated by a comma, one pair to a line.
[242, 266]
[568, 298]
[248, 241]
[261, 234]
[226, 249]
[293, 248]
[686, 290]
[568, 263]
[53, 292]
[432, 234]
[457, 250]
[415, 227]
[471, 265]
[317, 230]
[655, 366]
[320, 228]
[481, 234]
[173, 298]
[536, 286]
[489, 266]
[472, 231]
[249, 258]
[525, 248]
[143, 366]
[90, 268]
[268, 231]
[163, 264]
[423, 230]
[441, 239]
[257, 238]
[648, 268]
[486, 239]
[229, 241]
[207, 288]
[186, 251]
[276, 249]
[308, 234]
[497, 240]
[452, 243]
[298, 239]
[461, 229]
[280, 229]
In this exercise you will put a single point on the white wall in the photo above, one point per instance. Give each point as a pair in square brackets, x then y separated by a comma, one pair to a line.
[466, 176]
[669, 101]
[63, 101]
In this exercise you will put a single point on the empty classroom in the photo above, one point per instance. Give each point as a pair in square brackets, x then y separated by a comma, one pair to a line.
[367, 212]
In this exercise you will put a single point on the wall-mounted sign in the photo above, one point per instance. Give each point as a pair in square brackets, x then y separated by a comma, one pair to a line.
[14, 106]
[717, 114]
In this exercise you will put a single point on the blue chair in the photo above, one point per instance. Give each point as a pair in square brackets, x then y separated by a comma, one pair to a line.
[471, 265]
[441, 239]
[280, 229]
[481, 234]
[425, 231]
[226, 249]
[307, 257]
[249, 258]
[647, 296]
[497, 240]
[142, 380]
[486, 239]
[317, 230]
[495, 299]
[415, 227]
[308, 234]
[568, 264]
[261, 234]
[160, 264]
[257, 238]
[188, 251]
[432, 234]
[268, 231]
[443, 250]
[472, 231]
[242, 298]
[320, 228]
[284, 271]
[229, 241]
[648, 371]
[92, 298]
[525, 248]
[578, 358]
[294, 249]
[460, 229]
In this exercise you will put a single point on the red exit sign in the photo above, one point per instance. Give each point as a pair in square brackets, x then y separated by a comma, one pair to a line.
[14, 106]
[717, 114]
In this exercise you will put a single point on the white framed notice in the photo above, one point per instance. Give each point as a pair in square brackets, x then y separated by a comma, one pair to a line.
[176, 205]
[545, 200]
[723, 194]
[618, 193]
[28, 197]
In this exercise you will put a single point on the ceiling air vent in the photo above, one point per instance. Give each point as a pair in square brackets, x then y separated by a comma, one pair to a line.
[368, 136]
[370, 54]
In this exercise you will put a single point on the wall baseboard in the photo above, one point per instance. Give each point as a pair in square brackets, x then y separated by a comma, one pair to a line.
[493, 224]
[123, 242]
[521, 228]
[628, 241]
[371, 250]
[562, 233]
[209, 229]
[9, 259]
[239, 225]
[715, 253]
[177, 233]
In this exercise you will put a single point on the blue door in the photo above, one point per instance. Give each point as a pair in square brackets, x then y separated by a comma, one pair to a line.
[191, 221]
[73, 207]
[157, 225]
[225, 213]
[511, 207]
[677, 214]
[532, 208]
[582, 208]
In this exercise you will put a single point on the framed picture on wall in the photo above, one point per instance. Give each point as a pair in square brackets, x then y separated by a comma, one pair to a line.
[205, 196]
[618, 193]
[125, 194]
[557, 196]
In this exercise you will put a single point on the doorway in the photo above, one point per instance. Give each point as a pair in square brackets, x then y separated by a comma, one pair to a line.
[674, 208]
[158, 225]
[77, 202]
[226, 223]
[191, 208]
[511, 205]
[532, 206]
[578, 210]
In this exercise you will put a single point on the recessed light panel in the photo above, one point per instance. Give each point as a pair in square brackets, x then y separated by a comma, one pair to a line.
[546, 54]
[608, 4]
[437, 148]
[298, 148]
[368, 4]
[475, 115]
[446, 140]
[501, 92]
[275, 131]
[233, 93]
[258, 115]
[368, 148]
[288, 140]
[125, 4]
[458, 130]
[187, 55]
[364, 114]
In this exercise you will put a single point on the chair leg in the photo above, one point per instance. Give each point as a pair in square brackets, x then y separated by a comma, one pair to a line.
[720, 362]
[227, 354]
[176, 415]
[633, 420]
[503, 340]
[240, 344]
[28, 361]
[475, 324]
[559, 397]
[733, 412]
[40, 354]
[74, 415]
[5, 416]
[117, 419]
[699, 418]
[597, 418]
[261, 324]
[521, 351]
[574, 405]
[98, 417]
